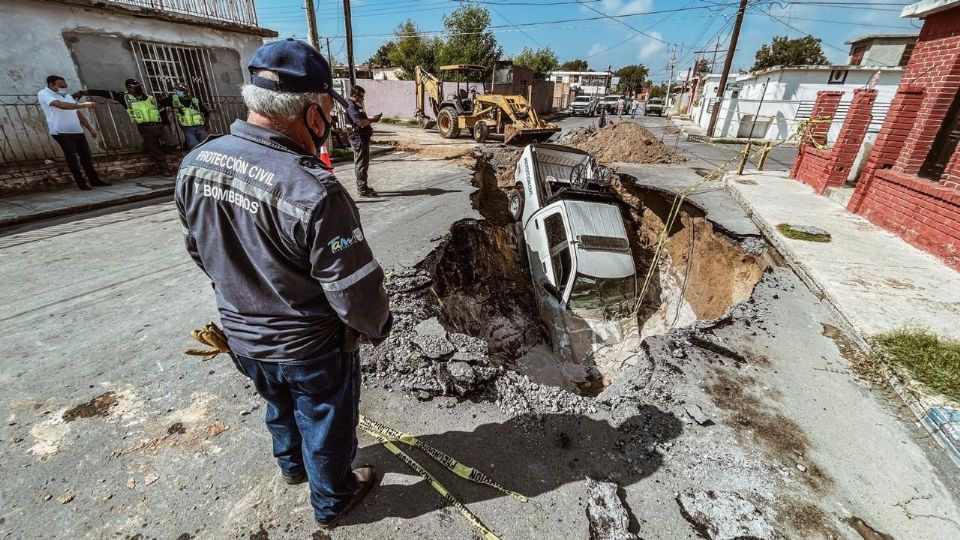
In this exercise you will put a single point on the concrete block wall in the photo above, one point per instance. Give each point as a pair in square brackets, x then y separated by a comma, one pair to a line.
[924, 212]
[55, 175]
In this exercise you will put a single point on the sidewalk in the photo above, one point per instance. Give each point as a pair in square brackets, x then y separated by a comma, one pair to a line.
[873, 280]
[29, 207]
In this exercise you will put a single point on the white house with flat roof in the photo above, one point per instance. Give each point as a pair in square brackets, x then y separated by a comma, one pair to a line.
[768, 104]
[591, 83]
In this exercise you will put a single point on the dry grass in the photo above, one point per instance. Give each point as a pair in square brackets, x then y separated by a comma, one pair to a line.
[922, 355]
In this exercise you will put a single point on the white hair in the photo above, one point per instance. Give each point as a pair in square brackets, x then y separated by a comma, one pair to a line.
[277, 106]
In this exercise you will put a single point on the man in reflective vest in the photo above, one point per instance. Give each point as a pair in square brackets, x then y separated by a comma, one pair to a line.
[152, 122]
[192, 116]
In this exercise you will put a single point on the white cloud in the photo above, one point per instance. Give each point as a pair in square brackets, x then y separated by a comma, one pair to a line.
[596, 49]
[649, 48]
[619, 7]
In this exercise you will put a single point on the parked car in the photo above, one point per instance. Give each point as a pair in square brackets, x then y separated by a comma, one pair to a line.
[610, 103]
[654, 106]
[584, 105]
[576, 247]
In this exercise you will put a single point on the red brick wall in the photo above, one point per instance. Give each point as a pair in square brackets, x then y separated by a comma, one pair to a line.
[822, 169]
[48, 177]
[925, 213]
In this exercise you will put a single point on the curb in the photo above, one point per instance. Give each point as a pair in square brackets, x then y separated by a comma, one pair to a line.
[922, 415]
[37, 216]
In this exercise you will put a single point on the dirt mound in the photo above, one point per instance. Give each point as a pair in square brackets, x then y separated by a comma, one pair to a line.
[624, 142]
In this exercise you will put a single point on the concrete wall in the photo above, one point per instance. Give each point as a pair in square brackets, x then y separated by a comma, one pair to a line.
[42, 46]
[883, 54]
[787, 91]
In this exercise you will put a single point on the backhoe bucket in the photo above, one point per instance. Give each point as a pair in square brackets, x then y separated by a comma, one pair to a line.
[524, 135]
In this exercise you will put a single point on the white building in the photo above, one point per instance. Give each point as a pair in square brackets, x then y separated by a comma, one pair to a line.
[591, 83]
[768, 104]
[97, 44]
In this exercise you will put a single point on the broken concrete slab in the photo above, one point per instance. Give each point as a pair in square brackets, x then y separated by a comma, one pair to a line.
[721, 515]
[606, 513]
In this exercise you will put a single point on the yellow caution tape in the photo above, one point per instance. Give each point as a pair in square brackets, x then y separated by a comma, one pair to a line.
[469, 516]
[457, 468]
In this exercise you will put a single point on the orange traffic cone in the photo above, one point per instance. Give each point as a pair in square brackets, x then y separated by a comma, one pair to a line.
[325, 157]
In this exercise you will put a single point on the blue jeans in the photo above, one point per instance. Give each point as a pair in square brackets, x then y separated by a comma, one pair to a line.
[313, 408]
[193, 135]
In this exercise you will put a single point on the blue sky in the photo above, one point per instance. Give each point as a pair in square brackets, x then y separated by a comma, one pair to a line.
[641, 31]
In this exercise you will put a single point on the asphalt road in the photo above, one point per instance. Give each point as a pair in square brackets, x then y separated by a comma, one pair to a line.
[176, 448]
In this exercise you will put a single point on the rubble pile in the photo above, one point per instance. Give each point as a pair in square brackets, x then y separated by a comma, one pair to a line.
[420, 356]
[623, 142]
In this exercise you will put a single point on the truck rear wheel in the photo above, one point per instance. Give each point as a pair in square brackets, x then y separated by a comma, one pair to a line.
[515, 202]
[447, 123]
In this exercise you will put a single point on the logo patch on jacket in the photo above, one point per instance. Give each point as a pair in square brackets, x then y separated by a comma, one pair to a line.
[339, 243]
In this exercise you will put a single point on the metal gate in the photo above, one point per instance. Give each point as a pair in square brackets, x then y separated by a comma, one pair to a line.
[164, 66]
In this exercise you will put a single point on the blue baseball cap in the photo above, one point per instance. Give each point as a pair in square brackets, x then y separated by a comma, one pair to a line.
[299, 67]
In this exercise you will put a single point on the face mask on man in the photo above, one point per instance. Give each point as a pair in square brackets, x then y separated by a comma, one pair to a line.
[63, 91]
[181, 93]
[317, 140]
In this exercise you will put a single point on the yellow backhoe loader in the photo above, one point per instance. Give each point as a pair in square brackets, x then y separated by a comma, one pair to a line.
[481, 113]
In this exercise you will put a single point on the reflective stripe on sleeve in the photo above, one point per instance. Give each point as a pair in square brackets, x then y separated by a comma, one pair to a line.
[352, 279]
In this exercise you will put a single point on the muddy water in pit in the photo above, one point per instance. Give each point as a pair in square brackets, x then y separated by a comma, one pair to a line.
[485, 290]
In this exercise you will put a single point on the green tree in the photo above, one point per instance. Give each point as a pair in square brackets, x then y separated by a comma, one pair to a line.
[702, 66]
[631, 78]
[574, 65]
[412, 49]
[381, 58]
[468, 38]
[541, 61]
[783, 51]
[659, 90]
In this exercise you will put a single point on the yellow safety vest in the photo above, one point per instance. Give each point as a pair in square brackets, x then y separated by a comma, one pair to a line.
[142, 111]
[188, 116]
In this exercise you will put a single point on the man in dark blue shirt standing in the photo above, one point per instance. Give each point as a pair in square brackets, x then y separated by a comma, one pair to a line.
[360, 139]
[295, 281]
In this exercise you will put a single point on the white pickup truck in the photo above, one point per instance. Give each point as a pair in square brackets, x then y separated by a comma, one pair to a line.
[577, 247]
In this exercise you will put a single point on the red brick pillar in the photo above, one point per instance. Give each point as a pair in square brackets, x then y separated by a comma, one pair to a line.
[850, 138]
[825, 106]
[896, 128]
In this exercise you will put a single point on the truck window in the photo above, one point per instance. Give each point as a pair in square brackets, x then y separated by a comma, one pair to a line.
[559, 251]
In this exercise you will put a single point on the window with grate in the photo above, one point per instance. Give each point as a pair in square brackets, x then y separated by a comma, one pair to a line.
[164, 66]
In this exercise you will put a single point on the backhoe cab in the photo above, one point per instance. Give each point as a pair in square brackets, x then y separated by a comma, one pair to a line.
[472, 108]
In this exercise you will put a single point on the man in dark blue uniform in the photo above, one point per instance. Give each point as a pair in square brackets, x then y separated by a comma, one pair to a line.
[360, 139]
[295, 281]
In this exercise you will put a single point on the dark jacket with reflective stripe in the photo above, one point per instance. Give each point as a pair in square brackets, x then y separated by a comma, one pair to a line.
[282, 242]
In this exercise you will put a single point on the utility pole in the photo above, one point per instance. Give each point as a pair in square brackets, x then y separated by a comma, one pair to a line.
[713, 63]
[349, 28]
[731, 50]
[670, 65]
[312, 24]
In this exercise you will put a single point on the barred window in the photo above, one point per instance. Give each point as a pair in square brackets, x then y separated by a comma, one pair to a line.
[164, 66]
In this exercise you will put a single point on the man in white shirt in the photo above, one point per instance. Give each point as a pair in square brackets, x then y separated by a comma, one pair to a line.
[66, 127]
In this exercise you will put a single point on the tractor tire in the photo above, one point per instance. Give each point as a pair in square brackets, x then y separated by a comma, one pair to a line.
[480, 132]
[447, 123]
[515, 203]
